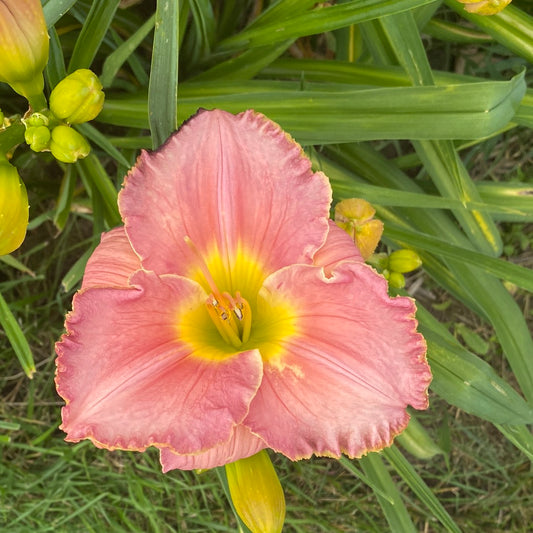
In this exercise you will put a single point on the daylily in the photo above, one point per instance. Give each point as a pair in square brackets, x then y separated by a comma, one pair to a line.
[229, 315]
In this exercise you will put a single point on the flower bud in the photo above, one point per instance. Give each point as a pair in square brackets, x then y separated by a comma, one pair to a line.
[67, 145]
[78, 97]
[256, 493]
[36, 119]
[23, 46]
[395, 279]
[485, 7]
[356, 217]
[404, 261]
[38, 137]
[14, 208]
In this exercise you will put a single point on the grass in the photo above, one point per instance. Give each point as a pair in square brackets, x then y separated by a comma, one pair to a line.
[480, 478]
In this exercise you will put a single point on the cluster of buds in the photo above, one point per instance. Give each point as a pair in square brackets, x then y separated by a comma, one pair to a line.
[485, 7]
[356, 217]
[78, 98]
[395, 265]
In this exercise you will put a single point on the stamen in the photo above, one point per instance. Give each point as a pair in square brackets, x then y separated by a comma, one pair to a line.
[231, 316]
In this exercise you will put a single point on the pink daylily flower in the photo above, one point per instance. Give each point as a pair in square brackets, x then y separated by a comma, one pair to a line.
[229, 314]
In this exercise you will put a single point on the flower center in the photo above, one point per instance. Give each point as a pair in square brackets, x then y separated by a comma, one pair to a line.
[231, 315]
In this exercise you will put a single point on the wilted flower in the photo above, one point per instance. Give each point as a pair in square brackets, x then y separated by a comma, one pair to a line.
[67, 145]
[23, 45]
[78, 97]
[14, 208]
[356, 217]
[485, 7]
[229, 315]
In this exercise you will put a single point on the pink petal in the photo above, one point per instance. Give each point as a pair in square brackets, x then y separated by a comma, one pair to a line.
[129, 381]
[338, 247]
[341, 383]
[231, 184]
[112, 262]
[241, 444]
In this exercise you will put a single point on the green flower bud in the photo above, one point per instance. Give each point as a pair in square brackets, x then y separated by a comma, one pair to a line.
[36, 119]
[67, 145]
[78, 97]
[396, 280]
[23, 46]
[38, 137]
[14, 208]
[256, 493]
[404, 261]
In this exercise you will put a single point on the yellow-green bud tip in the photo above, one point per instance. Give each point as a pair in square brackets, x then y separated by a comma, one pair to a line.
[485, 7]
[23, 45]
[14, 208]
[404, 261]
[78, 97]
[256, 493]
[67, 145]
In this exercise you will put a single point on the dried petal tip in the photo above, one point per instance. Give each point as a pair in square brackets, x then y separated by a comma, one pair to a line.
[23, 45]
[485, 7]
[356, 217]
[14, 209]
[77, 98]
[256, 493]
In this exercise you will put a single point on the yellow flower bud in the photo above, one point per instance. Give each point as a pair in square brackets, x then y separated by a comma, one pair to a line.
[256, 493]
[14, 208]
[67, 145]
[485, 7]
[356, 217]
[23, 46]
[38, 137]
[404, 261]
[78, 97]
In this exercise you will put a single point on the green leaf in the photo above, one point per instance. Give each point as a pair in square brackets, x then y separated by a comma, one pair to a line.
[55, 68]
[64, 199]
[419, 487]
[392, 506]
[54, 9]
[92, 33]
[320, 116]
[511, 27]
[318, 20]
[89, 131]
[466, 381]
[95, 176]
[440, 159]
[163, 87]
[16, 338]
[116, 59]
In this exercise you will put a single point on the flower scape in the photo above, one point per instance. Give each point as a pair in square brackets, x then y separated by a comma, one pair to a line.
[229, 314]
